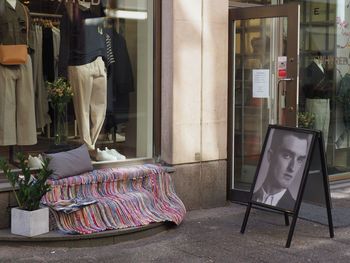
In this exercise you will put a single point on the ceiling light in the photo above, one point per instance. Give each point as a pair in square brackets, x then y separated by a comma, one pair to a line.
[114, 13]
[127, 9]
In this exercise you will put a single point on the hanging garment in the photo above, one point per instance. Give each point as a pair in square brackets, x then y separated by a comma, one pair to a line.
[109, 64]
[56, 36]
[41, 102]
[48, 55]
[17, 112]
[120, 82]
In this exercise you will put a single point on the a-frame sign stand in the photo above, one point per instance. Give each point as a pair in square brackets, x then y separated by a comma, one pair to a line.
[316, 148]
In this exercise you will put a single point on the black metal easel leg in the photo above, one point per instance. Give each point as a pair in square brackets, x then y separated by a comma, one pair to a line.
[328, 205]
[245, 221]
[330, 221]
[326, 188]
[291, 230]
[286, 218]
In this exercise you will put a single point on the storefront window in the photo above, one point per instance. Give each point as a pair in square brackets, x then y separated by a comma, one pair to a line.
[324, 76]
[106, 64]
[324, 70]
[318, 87]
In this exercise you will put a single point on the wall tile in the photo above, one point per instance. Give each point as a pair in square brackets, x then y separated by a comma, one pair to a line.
[201, 185]
[214, 140]
[215, 70]
[187, 10]
[213, 184]
[186, 142]
[186, 180]
[216, 11]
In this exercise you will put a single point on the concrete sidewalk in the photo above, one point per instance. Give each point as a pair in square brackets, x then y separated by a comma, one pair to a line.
[213, 236]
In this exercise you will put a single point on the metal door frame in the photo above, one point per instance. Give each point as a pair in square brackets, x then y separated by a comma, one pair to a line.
[292, 12]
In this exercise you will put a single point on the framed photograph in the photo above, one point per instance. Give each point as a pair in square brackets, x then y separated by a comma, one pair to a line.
[285, 157]
[282, 174]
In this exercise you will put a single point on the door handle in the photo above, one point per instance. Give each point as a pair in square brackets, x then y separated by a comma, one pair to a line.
[279, 82]
[285, 79]
[278, 95]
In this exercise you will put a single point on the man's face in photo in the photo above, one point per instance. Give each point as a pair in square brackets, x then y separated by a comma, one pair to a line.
[287, 159]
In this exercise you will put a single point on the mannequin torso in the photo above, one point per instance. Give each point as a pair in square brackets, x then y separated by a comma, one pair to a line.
[73, 51]
[12, 3]
[14, 33]
[319, 64]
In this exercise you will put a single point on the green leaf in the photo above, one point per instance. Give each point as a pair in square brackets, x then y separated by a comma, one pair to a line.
[28, 192]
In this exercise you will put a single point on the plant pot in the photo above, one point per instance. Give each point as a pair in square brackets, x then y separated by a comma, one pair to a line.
[29, 223]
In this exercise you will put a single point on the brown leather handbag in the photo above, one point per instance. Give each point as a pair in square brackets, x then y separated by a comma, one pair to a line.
[15, 54]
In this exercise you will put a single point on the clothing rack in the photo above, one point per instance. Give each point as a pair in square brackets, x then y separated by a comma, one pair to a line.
[47, 15]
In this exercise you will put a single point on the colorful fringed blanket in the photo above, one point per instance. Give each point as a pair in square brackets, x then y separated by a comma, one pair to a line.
[127, 197]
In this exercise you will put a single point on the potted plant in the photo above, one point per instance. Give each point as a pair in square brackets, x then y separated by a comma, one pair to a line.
[306, 120]
[60, 93]
[28, 219]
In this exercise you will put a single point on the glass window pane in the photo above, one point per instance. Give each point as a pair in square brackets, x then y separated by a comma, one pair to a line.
[107, 65]
[253, 49]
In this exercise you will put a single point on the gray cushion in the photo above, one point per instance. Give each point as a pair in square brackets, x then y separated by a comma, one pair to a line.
[74, 162]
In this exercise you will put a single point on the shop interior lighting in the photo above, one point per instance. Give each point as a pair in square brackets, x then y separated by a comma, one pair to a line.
[127, 9]
[115, 13]
[121, 10]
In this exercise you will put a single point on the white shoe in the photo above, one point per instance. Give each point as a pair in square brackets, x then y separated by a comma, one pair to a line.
[35, 162]
[119, 137]
[104, 156]
[115, 153]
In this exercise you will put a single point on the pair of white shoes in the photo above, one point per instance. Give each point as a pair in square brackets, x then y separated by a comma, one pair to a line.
[109, 155]
[35, 162]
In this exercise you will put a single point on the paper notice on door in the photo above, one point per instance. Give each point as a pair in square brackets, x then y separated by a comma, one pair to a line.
[261, 82]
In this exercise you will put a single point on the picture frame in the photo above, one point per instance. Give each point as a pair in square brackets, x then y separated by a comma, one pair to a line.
[283, 169]
[285, 156]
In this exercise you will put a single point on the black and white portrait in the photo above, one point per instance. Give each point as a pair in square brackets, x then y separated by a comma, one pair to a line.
[281, 170]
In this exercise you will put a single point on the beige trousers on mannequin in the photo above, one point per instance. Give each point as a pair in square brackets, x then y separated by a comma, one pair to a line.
[17, 111]
[89, 84]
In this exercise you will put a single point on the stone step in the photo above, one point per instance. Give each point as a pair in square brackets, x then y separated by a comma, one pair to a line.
[59, 239]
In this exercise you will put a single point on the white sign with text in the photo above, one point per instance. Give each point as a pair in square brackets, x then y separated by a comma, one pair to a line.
[261, 81]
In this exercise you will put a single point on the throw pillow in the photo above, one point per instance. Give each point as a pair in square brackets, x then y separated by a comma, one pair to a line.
[73, 162]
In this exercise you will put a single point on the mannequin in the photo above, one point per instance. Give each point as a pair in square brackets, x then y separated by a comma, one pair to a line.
[17, 114]
[12, 3]
[319, 64]
[82, 52]
[317, 91]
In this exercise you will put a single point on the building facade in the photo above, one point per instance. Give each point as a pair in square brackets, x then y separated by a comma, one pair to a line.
[190, 98]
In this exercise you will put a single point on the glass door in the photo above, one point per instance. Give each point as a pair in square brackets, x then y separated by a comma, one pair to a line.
[263, 84]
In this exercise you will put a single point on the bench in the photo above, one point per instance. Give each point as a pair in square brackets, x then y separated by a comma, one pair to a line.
[126, 197]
